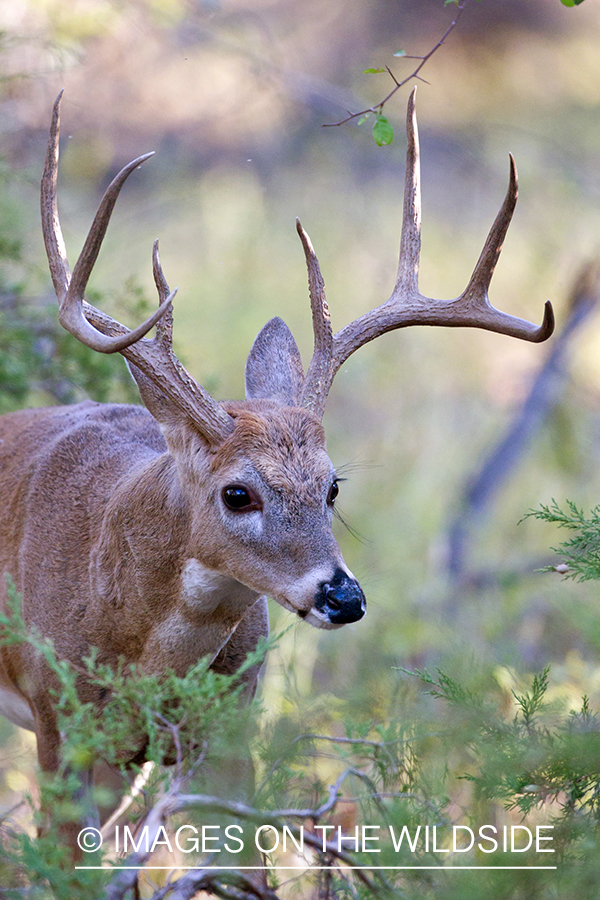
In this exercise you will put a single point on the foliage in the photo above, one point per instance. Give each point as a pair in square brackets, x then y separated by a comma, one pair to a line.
[383, 132]
[186, 721]
[582, 551]
[381, 796]
[537, 757]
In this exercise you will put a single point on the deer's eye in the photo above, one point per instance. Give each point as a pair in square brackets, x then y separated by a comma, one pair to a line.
[238, 498]
[333, 492]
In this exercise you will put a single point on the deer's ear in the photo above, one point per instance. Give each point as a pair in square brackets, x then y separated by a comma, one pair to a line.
[274, 367]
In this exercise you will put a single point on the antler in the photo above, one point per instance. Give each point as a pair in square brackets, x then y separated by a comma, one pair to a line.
[407, 306]
[95, 329]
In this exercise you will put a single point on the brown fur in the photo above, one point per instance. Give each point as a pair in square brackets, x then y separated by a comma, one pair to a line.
[282, 446]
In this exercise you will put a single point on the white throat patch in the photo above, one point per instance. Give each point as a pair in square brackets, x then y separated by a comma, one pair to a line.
[204, 590]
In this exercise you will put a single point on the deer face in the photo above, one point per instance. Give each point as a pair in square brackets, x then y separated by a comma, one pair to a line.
[275, 493]
[262, 507]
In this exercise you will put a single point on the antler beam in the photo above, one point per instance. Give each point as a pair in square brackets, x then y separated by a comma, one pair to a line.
[407, 306]
[98, 330]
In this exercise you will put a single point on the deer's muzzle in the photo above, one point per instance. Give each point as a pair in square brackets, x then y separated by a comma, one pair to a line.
[341, 599]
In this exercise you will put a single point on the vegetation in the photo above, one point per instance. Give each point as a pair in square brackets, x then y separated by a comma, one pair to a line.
[377, 810]
[582, 552]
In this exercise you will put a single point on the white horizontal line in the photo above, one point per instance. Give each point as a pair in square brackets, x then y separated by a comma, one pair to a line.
[297, 868]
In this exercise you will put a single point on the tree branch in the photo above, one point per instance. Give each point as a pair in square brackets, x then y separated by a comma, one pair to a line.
[377, 108]
[213, 881]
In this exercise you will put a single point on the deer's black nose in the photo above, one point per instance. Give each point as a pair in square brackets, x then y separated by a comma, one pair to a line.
[341, 599]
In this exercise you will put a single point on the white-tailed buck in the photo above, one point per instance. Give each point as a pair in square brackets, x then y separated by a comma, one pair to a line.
[156, 534]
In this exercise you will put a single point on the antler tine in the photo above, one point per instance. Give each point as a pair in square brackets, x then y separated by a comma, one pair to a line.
[71, 313]
[483, 271]
[406, 295]
[407, 279]
[318, 378]
[164, 327]
[475, 295]
[53, 238]
[70, 289]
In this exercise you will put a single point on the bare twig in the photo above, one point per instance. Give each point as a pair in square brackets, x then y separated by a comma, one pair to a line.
[243, 810]
[235, 886]
[377, 108]
[140, 782]
[8, 813]
[125, 880]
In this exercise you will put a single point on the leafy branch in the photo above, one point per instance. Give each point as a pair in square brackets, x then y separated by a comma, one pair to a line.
[536, 758]
[581, 552]
[383, 132]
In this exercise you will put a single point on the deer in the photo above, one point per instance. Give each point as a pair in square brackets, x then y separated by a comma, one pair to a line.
[155, 533]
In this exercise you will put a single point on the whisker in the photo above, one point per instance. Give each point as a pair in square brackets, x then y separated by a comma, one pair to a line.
[355, 534]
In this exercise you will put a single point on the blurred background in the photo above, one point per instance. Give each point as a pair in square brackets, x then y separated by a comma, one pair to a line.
[233, 95]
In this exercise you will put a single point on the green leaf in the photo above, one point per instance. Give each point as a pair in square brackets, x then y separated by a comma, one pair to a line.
[571, 2]
[383, 132]
[373, 71]
[400, 53]
[362, 119]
